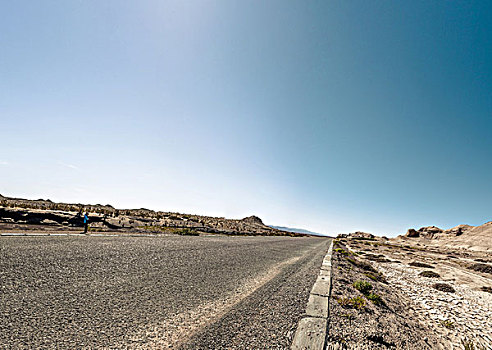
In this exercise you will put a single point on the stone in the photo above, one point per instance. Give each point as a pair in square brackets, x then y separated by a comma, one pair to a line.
[411, 233]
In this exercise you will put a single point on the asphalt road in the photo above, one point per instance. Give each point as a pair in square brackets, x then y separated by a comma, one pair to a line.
[154, 292]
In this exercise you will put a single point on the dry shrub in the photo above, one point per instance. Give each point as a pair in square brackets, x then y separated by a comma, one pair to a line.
[444, 287]
[419, 264]
[481, 268]
[487, 289]
[430, 274]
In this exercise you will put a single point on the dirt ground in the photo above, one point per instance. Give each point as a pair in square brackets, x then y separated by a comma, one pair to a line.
[429, 297]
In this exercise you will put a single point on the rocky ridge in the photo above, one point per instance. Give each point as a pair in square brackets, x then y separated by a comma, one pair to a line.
[463, 236]
[41, 214]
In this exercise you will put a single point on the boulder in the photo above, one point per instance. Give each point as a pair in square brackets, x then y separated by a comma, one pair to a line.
[411, 233]
[359, 234]
[430, 229]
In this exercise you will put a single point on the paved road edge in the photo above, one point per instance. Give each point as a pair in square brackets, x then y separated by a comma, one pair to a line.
[312, 328]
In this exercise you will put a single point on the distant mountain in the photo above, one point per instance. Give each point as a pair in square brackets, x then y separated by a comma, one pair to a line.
[297, 230]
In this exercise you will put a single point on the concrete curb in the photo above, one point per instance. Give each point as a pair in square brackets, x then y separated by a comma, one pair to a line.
[312, 329]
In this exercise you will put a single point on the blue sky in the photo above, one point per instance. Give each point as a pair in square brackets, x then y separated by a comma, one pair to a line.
[332, 116]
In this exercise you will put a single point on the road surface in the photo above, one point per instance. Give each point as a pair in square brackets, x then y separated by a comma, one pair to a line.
[208, 292]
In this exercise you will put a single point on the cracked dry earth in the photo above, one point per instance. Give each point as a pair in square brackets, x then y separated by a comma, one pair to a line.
[461, 319]
[206, 292]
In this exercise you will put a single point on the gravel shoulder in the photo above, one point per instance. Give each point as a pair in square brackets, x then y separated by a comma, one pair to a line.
[117, 292]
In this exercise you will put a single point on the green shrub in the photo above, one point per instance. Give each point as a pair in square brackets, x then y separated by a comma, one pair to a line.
[344, 301]
[341, 251]
[355, 303]
[187, 232]
[363, 286]
[358, 303]
[447, 323]
[376, 299]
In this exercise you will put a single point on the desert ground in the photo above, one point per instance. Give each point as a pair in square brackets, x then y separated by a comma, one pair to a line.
[397, 294]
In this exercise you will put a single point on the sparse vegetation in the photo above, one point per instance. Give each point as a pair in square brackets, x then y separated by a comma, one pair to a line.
[375, 298]
[430, 274]
[344, 301]
[447, 323]
[470, 345]
[342, 251]
[363, 286]
[187, 232]
[444, 287]
[356, 303]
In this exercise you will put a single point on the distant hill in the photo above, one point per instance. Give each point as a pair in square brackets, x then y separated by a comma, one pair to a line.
[297, 230]
[44, 214]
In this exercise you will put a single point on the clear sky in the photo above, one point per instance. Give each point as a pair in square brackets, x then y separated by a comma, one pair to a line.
[333, 116]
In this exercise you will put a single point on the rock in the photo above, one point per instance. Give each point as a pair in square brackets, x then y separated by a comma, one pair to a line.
[411, 233]
[360, 234]
[458, 230]
[253, 219]
[429, 231]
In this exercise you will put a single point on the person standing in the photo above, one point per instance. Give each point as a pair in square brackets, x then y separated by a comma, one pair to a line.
[86, 222]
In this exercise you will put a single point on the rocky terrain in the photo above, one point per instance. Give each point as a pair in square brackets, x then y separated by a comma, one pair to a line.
[406, 294]
[21, 214]
[461, 236]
